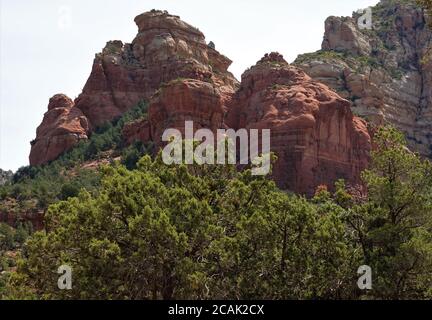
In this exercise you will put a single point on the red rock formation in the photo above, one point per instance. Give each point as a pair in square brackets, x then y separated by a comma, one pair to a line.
[63, 127]
[186, 100]
[138, 130]
[313, 132]
[14, 219]
[165, 49]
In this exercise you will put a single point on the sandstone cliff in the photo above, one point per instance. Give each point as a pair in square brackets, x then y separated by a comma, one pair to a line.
[186, 100]
[169, 64]
[385, 71]
[165, 49]
[313, 132]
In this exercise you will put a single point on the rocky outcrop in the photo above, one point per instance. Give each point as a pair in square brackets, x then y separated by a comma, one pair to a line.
[138, 130]
[313, 131]
[186, 100]
[63, 126]
[14, 219]
[13, 213]
[343, 34]
[385, 72]
[165, 49]
[314, 134]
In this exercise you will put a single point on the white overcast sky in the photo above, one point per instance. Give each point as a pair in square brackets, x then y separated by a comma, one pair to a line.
[47, 46]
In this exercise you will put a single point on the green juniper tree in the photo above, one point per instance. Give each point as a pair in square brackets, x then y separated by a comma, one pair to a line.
[393, 227]
[211, 232]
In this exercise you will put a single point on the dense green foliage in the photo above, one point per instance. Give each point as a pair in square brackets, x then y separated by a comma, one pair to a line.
[394, 227]
[5, 177]
[11, 239]
[34, 188]
[210, 232]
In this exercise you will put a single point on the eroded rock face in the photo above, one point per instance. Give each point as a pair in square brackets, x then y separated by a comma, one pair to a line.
[385, 72]
[63, 126]
[186, 100]
[165, 49]
[343, 34]
[138, 130]
[313, 132]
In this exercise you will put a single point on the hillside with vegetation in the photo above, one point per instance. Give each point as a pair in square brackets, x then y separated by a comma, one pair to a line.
[347, 187]
[211, 232]
[26, 195]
